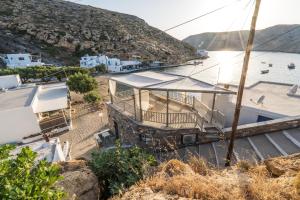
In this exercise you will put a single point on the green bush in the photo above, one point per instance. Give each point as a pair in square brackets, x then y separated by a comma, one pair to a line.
[101, 68]
[81, 83]
[23, 178]
[43, 72]
[92, 97]
[120, 168]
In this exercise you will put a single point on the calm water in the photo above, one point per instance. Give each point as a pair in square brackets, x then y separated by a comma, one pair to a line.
[230, 64]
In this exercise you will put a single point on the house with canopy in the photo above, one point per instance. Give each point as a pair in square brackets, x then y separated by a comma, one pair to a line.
[161, 109]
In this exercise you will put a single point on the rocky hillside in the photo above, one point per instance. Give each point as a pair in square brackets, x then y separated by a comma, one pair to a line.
[237, 40]
[63, 31]
[275, 179]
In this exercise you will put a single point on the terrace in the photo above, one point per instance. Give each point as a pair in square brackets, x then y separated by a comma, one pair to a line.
[167, 101]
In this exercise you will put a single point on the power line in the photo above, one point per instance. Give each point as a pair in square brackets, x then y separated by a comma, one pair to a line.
[205, 14]
[274, 38]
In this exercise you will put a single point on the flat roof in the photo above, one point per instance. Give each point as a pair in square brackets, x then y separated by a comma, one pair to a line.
[20, 97]
[51, 97]
[276, 99]
[168, 82]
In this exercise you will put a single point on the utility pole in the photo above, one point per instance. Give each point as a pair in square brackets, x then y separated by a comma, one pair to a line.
[242, 83]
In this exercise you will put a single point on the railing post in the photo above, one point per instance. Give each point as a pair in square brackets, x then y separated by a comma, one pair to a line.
[213, 107]
[167, 117]
[134, 105]
[141, 111]
[193, 102]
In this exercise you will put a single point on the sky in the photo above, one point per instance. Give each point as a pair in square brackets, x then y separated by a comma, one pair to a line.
[164, 14]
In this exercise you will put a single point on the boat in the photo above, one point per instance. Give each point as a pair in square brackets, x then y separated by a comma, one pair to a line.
[264, 71]
[270, 65]
[198, 62]
[291, 66]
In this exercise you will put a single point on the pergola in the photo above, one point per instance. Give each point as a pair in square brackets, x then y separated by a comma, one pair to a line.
[143, 82]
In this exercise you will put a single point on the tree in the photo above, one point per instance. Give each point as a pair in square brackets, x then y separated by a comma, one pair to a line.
[92, 97]
[21, 177]
[120, 168]
[81, 83]
[101, 68]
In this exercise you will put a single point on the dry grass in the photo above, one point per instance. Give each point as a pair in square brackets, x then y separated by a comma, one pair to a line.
[198, 165]
[297, 183]
[244, 165]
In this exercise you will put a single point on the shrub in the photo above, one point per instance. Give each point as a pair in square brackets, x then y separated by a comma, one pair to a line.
[81, 83]
[297, 183]
[92, 97]
[198, 165]
[120, 168]
[243, 165]
[23, 178]
[101, 68]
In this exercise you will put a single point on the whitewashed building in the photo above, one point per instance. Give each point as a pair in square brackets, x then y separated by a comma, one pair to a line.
[22, 60]
[202, 53]
[29, 109]
[113, 65]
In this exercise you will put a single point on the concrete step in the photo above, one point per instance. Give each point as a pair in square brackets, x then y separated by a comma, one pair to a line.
[263, 147]
[282, 141]
[244, 151]
[207, 152]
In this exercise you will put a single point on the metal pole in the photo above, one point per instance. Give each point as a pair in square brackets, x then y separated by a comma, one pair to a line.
[242, 83]
[167, 122]
[141, 111]
[213, 107]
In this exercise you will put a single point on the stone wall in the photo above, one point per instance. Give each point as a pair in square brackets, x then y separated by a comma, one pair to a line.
[134, 132]
[263, 127]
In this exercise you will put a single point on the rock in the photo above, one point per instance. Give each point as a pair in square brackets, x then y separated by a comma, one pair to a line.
[288, 166]
[79, 181]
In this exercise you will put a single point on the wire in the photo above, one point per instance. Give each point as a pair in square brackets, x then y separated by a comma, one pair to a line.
[203, 15]
[274, 38]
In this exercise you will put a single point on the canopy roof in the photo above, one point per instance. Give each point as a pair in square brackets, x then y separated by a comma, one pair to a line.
[168, 82]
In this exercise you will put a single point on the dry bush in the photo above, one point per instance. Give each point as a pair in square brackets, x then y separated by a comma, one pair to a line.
[243, 165]
[175, 167]
[297, 183]
[263, 188]
[198, 165]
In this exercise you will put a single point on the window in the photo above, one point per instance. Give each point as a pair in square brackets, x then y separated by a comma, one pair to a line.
[21, 58]
[261, 118]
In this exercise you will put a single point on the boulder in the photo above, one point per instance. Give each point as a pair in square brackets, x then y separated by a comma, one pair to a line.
[288, 166]
[79, 182]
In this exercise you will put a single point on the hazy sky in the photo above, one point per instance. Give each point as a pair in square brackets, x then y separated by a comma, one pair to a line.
[164, 14]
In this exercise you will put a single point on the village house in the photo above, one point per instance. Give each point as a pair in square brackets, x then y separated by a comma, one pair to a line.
[22, 60]
[166, 112]
[112, 64]
[30, 109]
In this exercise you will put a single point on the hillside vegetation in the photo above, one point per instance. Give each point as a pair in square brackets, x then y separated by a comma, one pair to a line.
[236, 40]
[63, 31]
[276, 179]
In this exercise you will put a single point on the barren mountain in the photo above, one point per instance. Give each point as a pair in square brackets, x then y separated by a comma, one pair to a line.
[283, 38]
[63, 31]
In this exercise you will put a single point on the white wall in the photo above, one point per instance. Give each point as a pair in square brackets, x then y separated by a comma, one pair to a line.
[17, 123]
[10, 81]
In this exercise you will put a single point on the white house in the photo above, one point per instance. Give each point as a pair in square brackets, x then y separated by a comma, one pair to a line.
[52, 151]
[31, 109]
[10, 81]
[22, 60]
[112, 64]
[202, 53]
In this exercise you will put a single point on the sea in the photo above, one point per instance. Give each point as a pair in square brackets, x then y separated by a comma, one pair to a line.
[226, 66]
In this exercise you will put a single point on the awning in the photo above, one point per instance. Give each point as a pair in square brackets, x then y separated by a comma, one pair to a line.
[168, 82]
[51, 97]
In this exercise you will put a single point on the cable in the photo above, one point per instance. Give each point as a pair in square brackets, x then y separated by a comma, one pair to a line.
[205, 14]
[276, 37]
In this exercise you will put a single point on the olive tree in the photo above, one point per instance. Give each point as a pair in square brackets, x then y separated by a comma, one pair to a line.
[81, 83]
